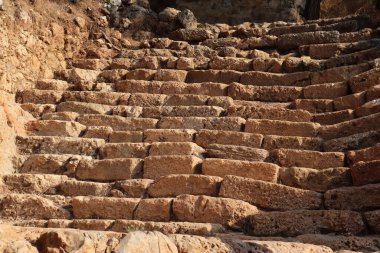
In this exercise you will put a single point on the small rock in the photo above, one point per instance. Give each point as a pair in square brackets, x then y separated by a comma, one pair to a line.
[81, 22]
[187, 19]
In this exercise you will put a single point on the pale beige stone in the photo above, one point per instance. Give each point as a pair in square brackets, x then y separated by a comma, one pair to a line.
[255, 170]
[156, 209]
[269, 195]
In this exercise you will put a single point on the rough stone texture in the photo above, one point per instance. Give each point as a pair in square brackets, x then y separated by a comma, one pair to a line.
[157, 209]
[156, 166]
[229, 212]
[206, 137]
[373, 220]
[293, 223]
[315, 180]
[135, 188]
[367, 154]
[255, 170]
[175, 185]
[25, 206]
[351, 198]
[366, 173]
[287, 128]
[175, 148]
[269, 195]
[149, 242]
[309, 159]
[236, 152]
[109, 169]
[103, 208]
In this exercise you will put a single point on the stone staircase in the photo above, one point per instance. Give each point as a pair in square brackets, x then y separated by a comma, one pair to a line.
[268, 130]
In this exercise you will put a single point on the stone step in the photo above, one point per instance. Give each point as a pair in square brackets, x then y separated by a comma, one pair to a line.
[157, 166]
[182, 111]
[331, 118]
[118, 123]
[366, 172]
[176, 185]
[269, 196]
[176, 148]
[197, 123]
[51, 164]
[18, 206]
[37, 110]
[59, 145]
[326, 51]
[255, 170]
[170, 88]
[228, 212]
[315, 180]
[233, 152]
[308, 159]
[297, 222]
[365, 155]
[347, 128]
[326, 90]
[373, 220]
[109, 169]
[169, 135]
[292, 41]
[314, 105]
[124, 150]
[351, 198]
[53, 84]
[283, 128]
[254, 112]
[368, 108]
[55, 128]
[352, 142]
[205, 138]
[271, 142]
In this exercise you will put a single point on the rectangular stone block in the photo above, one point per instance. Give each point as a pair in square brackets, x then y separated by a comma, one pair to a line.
[355, 141]
[55, 128]
[186, 100]
[103, 207]
[367, 154]
[59, 145]
[157, 209]
[354, 198]
[134, 188]
[82, 188]
[373, 221]
[118, 123]
[84, 108]
[39, 96]
[106, 98]
[284, 128]
[169, 135]
[315, 180]
[205, 138]
[331, 118]
[145, 99]
[156, 166]
[352, 101]
[308, 159]
[109, 169]
[175, 148]
[272, 142]
[239, 91]
[269, 195]
[213, 123]
[124, 150]
[258, 78]
[182, 111]
[175, 185]
[126, 136]
[255, 170]
[347, 128]
[298, 222]
[314, 105]
[294, 40]
[228, 212]
[236, 152]
[326, 91]
[366, 172]
[255, 112]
